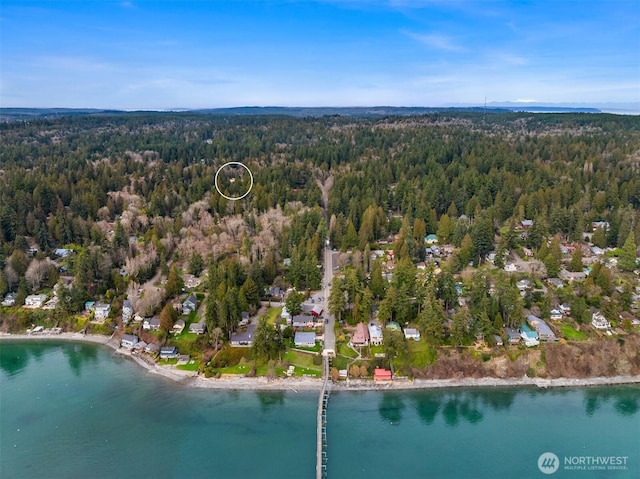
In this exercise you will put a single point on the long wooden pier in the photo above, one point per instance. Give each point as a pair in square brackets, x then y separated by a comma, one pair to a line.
[321, 449]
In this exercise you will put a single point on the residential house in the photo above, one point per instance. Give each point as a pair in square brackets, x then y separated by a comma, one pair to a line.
[245, 318]
[431, 239]
[302, 321]
[529, 336]
[544, 331]
[599, 224]
[361, 337]
[382, 375]
[393, 326]
[190, 304]
[151, 348]
[523, 285]
[412, 333]
[88, 306]
[572, 276]
[498, 340]
[178, 327]
[527, 252]
[510, 268]
[556, 314]
[244, 339]
[555, 282]
[625, 315]
[276, 293]
[286, 315]
[191, 281]
[317, 310]
[199, 327]
[9, 299]
[565, 308]
[305, 340]
[513, 336]
[52, 303]
[35, 300]
[598, 321]
[168, 352]
[597, 250]
[375, 335]
[129, 341]
[151, 324]
[127, 311]
[63, 252]
[526, 224]
[101, 310]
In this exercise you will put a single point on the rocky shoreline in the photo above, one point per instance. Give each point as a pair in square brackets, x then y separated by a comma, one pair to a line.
[192, 379]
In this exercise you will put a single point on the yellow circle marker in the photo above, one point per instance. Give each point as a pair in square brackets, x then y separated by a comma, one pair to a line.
[231, 163]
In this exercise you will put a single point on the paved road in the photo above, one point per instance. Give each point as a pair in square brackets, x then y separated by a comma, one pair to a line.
[329, 334]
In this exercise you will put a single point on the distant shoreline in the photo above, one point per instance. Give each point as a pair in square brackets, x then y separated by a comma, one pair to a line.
[191, 379]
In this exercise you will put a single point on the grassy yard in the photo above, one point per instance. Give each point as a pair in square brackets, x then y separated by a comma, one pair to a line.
[273, 314]
[303, 363]
[569, 332]
[345, 350]
[190, 366]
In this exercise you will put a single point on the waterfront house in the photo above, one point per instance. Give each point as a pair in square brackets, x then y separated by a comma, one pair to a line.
[598, 321]
[129, 341]
[412, 333]
[305, 340]
[168, 352]
[178, 327]
[529, 336]
[190, 304]
[244, 339]
[382, 375]
[127, 311]
[35, 300]
[544, 331]
[375, 335]
[151, 348]
[101, 311]
[361, 337]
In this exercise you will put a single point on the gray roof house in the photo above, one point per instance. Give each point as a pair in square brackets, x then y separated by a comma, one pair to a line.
[305, 340]
[169, 352]
[198, 328]
[129, 341]
[243, 339]
[127, 311]
[544, 331]
[190, 304]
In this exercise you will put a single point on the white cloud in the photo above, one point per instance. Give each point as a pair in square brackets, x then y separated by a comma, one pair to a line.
[438, 42]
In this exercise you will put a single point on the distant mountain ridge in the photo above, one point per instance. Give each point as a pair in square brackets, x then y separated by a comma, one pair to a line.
[25, 114]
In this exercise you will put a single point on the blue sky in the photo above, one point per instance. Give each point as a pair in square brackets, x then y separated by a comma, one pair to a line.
[162, 54]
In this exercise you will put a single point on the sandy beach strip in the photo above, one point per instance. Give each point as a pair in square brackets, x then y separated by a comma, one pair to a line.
[192, 379]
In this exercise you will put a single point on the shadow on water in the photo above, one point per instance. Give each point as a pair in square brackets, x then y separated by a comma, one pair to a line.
[391, 407]
[460, 406]
[13, 360]
[78, 355]
[270, 399]
[626, 401]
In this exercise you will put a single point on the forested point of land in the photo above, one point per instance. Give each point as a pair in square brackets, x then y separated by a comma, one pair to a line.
[119, 206]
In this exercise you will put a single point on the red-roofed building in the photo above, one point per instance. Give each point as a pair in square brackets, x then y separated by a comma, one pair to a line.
[381, 375]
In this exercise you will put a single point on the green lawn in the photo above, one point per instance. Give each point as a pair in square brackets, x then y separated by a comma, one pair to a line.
[303, 363]
[242, 368]
[376, 350]
[273, 314]
[570, 332]
[345, 350]
[190, 366]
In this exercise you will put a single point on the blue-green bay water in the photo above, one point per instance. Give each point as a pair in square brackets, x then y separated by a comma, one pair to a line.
[70, 410]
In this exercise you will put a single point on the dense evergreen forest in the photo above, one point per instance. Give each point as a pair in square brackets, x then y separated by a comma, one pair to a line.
[133, 196]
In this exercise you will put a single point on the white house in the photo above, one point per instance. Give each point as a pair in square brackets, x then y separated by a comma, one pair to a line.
[101, 310]
[375, 335]
[556, 314]
[129, 341]
[598, 321]
[127, 311]
[9, 299]
[151, 324]
[510, 268]
[412, 333]
[35, 300]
